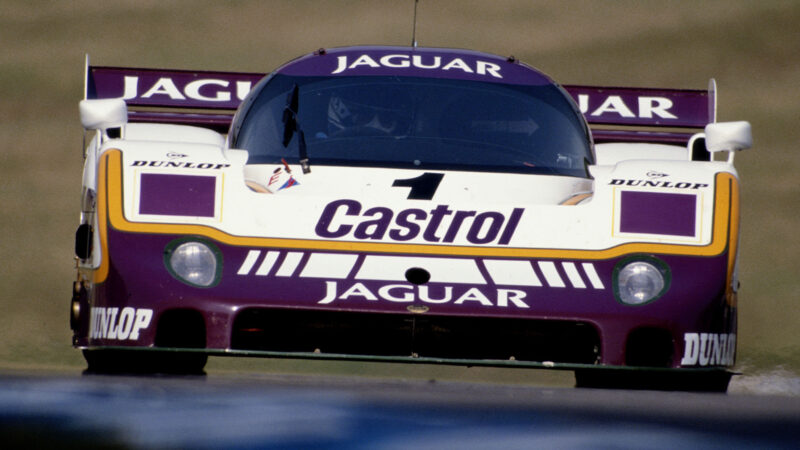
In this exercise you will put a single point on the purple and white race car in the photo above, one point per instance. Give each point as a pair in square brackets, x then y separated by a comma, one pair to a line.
[404, 204]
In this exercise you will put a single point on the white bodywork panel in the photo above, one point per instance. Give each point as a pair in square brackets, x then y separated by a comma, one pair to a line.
[611, 153]
[294, 212]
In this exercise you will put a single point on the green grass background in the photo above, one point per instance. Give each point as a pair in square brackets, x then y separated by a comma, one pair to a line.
[752, 48]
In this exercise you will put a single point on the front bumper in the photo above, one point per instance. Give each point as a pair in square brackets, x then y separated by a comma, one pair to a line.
[569, 319]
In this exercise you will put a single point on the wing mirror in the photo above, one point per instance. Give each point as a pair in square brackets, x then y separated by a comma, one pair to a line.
[728, 137]
[103, 114]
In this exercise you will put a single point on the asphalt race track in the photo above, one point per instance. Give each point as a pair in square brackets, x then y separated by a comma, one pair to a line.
[308, 412]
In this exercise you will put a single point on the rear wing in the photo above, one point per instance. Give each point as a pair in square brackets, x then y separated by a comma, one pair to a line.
[619, 114]
[203, 98]
[209, 99]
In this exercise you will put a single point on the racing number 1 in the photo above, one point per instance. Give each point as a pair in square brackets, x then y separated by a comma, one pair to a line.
[422, 187]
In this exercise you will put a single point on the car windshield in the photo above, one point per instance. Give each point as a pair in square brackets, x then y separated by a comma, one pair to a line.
[408, 122]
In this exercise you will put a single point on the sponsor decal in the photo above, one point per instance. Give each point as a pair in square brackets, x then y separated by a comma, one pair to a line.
[179, 164]
[708, 349]
[458, 281]
[176, 155]
[408, 293]
[203, 89]
[345, 218]
[655, 174]
[642, 107]
[431, 62]
[655, 183]
[120, 325]
[281, 178]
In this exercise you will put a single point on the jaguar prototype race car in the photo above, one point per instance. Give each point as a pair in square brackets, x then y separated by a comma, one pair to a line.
[406, 204]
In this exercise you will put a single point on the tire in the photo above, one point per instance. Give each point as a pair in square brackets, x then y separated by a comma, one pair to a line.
[144, 362]
[662, 380]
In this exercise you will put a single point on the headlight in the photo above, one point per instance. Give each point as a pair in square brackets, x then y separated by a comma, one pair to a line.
[640, 281]
[193, 262]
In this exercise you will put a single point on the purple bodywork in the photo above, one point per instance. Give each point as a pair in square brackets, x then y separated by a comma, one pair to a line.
[177, 195]
[670, 214]
[684, 309]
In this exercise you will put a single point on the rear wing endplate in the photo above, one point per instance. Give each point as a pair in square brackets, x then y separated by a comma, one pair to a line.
[210, 98]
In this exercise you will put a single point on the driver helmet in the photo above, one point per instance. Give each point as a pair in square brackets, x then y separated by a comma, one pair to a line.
[369, 109]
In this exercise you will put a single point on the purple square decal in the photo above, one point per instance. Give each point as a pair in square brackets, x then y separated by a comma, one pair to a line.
[656, 213]
[177, 195]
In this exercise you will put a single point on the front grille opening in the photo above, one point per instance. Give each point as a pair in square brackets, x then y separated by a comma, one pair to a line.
[372, 334]
[494, 338]
[649, 347]
[181, 328]
[319, 331]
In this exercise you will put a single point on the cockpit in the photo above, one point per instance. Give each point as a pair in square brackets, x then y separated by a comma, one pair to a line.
[413, 122]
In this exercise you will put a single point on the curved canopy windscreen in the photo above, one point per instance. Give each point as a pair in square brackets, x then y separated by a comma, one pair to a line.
[410, 122]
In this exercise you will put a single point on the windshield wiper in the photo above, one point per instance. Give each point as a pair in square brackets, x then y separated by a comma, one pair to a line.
[291, 125]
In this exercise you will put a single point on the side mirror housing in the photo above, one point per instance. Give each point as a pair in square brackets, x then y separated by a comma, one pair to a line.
[728, 136]
[103, 114]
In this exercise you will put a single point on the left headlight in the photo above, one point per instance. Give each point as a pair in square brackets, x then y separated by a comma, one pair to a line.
[640, 281]
[193, 262]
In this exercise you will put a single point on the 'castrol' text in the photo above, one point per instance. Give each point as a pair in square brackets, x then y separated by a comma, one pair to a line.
[348, 218]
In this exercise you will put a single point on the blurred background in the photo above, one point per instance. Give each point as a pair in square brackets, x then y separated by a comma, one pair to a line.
[751, 48]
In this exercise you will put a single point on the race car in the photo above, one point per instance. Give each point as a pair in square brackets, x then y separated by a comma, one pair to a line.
[409, 205]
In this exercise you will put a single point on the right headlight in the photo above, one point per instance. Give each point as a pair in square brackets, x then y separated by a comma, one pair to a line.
[640, 281]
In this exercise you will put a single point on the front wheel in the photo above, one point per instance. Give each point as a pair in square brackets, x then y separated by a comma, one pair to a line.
[659, 380]
[141, 362]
